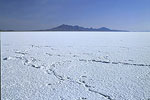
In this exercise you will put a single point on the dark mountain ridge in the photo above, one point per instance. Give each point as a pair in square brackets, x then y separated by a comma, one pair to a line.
[64, 27]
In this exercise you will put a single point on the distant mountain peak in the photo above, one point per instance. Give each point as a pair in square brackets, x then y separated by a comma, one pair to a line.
[104, 29]
[65, 27]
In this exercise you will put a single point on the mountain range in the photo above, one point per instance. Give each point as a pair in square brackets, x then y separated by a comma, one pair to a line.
[64, 27]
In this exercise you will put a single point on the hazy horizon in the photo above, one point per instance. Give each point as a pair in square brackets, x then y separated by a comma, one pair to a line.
[132, 15]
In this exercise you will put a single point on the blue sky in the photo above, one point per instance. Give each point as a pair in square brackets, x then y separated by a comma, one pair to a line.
[133, 15]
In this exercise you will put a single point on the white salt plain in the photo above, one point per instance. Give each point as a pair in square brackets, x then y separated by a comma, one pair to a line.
[75, 65]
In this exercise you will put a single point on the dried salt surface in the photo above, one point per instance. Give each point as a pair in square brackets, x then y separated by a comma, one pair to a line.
[75, 66]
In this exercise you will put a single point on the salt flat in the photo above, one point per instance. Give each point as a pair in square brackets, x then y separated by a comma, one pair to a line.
[75, 65]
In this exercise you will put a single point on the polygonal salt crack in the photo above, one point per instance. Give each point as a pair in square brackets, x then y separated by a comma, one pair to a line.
[104, 95]
[89, 88]
[124, 63]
